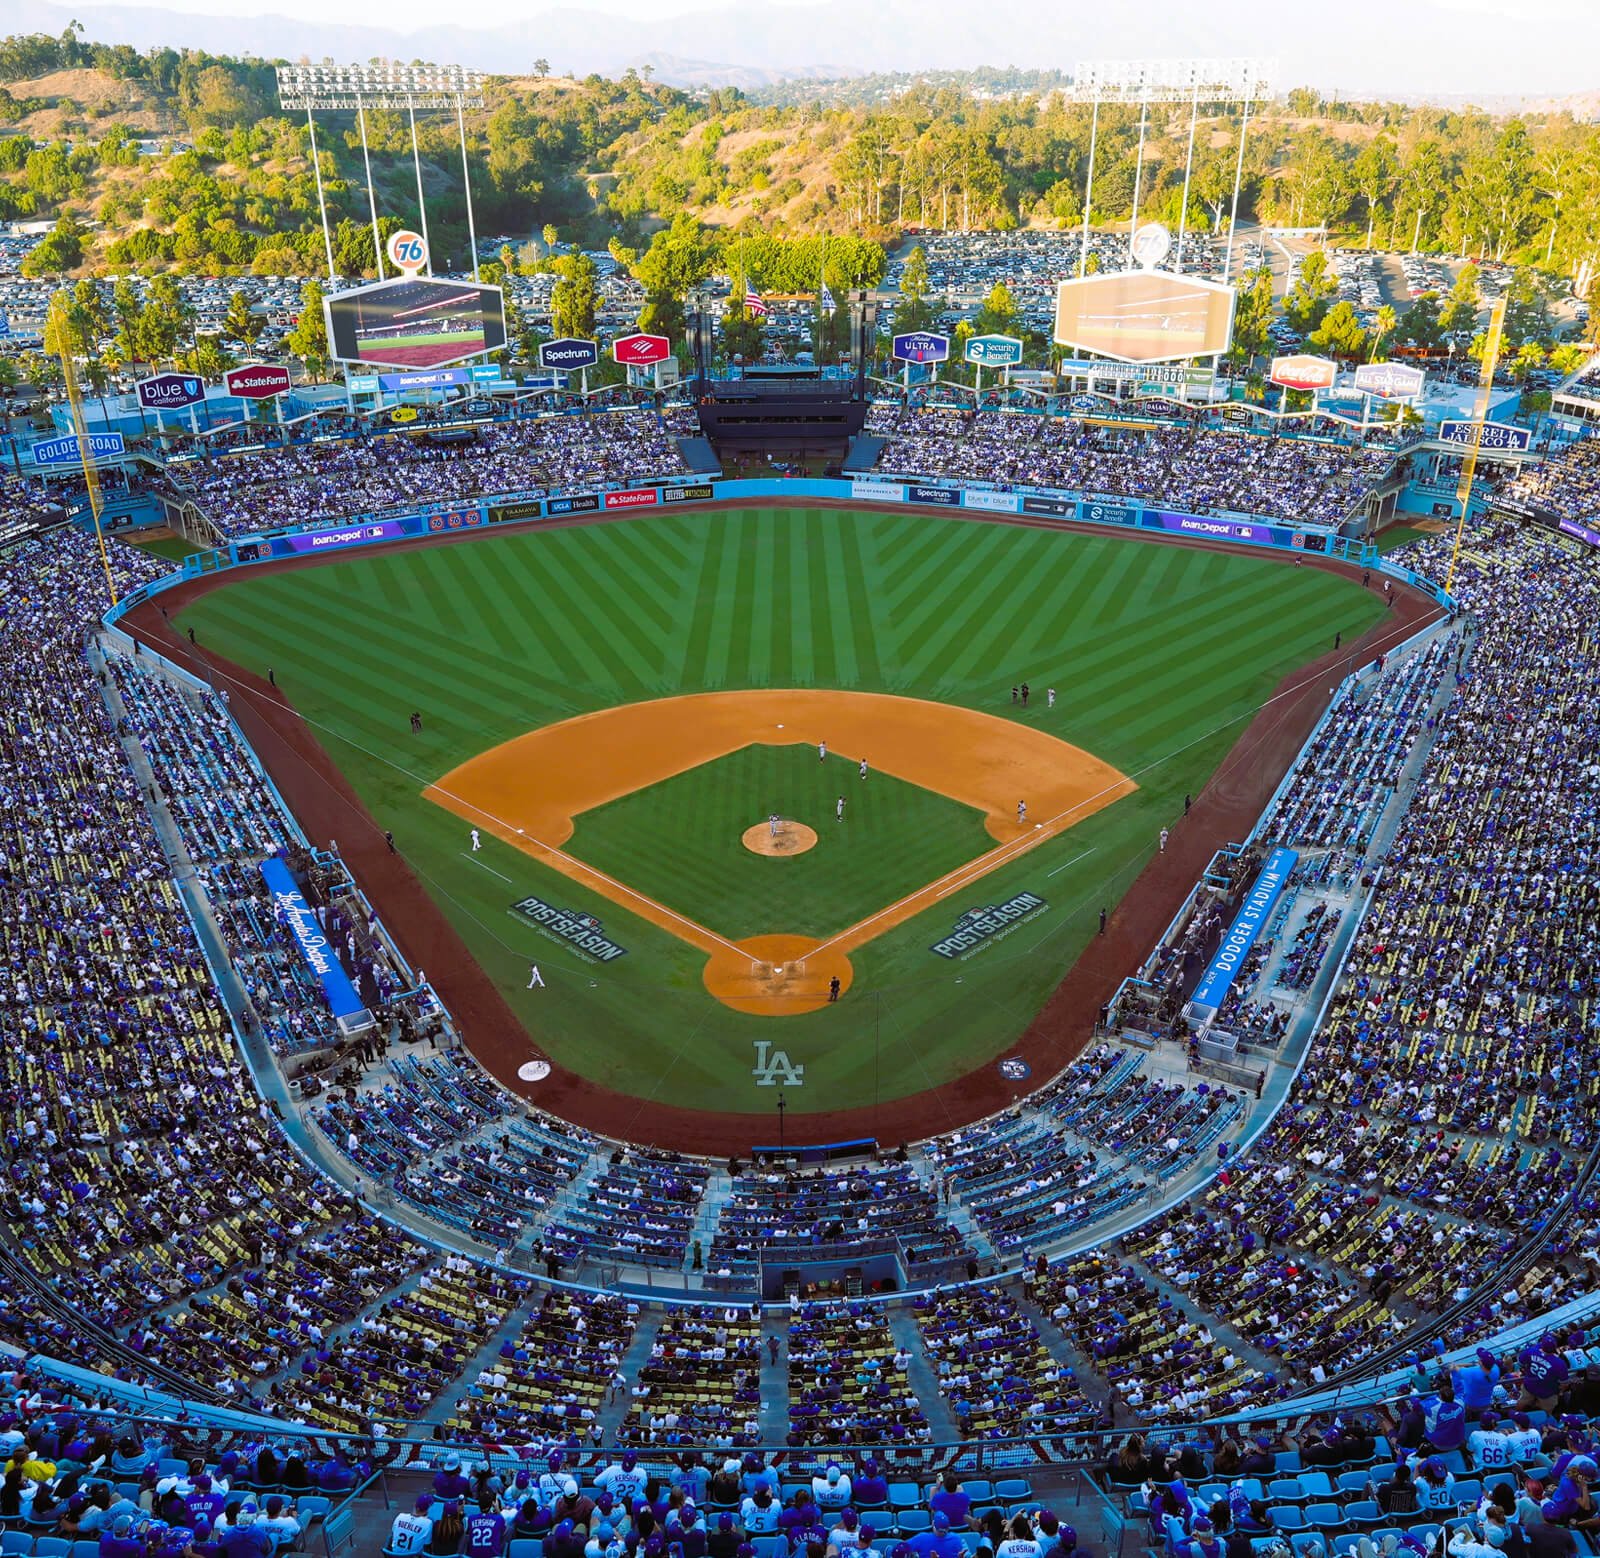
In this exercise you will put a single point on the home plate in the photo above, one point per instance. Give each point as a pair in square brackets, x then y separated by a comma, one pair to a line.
[534, 1070]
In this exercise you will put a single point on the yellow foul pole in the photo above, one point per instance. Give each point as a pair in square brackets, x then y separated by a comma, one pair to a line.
[62, 335]
[1480, 410]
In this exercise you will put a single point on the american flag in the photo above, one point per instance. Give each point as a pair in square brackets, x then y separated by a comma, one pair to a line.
[753, 303]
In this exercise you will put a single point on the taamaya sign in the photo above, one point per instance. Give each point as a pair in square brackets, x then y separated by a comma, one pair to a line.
[1303, 372]
[259, 381]
[639, 350]
[921, 346]
[569, 354]
[993, 351]
[1390, 380]
[170, 391]
[1496, 435]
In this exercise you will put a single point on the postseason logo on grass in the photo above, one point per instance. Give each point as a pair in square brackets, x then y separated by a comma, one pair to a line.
[977, 927]
[577, 929]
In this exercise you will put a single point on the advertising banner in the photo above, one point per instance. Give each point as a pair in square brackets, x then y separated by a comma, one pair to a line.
[584, 503]
[454, 519]
[1145, 372]
[291, 908]
[530, 508]
[415, 322]
[1108, 513]
[697, 493]
[1301, 371]
[438, 378]
[64, 450]
[993, 351]
[1247, 926]
[632, 498]
[170, 391]
[878, 491]
[995, 502]
[1144, 316]
[1496, 435]
[1056, 508]
[362, 383]
[638, 350]
[921, 346]
[258, 381]
[1218, 529]
[1570, 527]
[945, 497]
[332, 540]
[1390, 380]
[570, 353]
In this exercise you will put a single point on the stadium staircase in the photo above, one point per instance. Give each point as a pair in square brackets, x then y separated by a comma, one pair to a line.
[569, 1197]
[921, 1377]
[718, 1190]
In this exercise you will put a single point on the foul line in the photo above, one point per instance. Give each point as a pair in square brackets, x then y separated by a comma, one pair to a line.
[1075, 859]
[467, 855]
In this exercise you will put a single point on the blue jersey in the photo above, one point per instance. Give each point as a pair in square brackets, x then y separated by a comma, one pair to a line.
[486, 1536]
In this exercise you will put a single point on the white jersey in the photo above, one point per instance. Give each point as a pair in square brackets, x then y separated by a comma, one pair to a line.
[626, 1487]
[1436, 1495]
[1490, 1451]
[759, 1521]
[831, 1495]
[1524, 1445]
[410, 1533]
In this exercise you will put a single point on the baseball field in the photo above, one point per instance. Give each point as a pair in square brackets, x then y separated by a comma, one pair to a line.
[651, 725]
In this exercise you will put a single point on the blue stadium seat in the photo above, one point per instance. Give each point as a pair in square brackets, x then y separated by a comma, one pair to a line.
[1354, 1482]
[1287, 1517]
[52, 1547]
[1286, 1462]
[904, 1495]
[15, 1542]
[1315, 1484]
[910, 1521]
[1325, 1517]
[1285, 1490]
[1364, 1512]
[1012, 1488]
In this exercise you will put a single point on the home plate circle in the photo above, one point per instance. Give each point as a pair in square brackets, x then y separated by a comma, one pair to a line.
[534, 1070]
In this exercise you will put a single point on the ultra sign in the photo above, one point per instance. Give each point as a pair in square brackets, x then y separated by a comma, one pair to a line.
[921, 346]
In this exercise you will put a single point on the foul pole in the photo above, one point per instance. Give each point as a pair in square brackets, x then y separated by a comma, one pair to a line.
[1480, 410]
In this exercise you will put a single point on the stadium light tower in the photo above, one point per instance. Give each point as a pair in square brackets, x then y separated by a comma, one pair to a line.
[331, 88]
[1191, 81]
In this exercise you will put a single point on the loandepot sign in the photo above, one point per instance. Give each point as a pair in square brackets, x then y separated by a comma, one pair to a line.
[572, 926]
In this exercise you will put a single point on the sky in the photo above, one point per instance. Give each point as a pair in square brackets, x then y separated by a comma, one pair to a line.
[1397, 47]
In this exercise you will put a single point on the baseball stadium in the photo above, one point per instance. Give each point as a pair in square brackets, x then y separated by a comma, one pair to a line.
[760, 954]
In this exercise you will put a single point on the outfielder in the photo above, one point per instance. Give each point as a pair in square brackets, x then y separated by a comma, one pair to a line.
[863, 768]
[822, 751]
[474, 841]
[838, 811]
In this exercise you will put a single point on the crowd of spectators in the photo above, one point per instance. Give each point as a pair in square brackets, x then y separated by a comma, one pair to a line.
[1567, 483]
[325, 482]
[1197, 470]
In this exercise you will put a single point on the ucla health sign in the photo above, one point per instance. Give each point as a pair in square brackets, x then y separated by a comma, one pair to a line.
[1247, 926]
[291, 908]
[64, 450]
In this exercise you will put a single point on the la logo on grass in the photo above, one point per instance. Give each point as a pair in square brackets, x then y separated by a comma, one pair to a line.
[774, 1066]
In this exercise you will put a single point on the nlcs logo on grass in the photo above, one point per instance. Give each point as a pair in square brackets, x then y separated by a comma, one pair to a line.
[774, 1066]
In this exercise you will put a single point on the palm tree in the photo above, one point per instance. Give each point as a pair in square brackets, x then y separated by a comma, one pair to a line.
[1382, 327]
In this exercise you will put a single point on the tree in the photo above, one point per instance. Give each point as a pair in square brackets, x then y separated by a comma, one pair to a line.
[1253, 315]
[915, 311]
[1340, 333]
[1374, 173]
[240, 322]
[541, 69]
[1419, 326]
[1382, 328]
[999, 312]
[1312, 295]
[1530, 358]
[60, 250]
[309, 339]
[741, 334]
[575, 298]
[1460, 311]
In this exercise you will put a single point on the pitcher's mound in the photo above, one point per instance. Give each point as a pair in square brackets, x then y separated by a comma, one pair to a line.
[792, 838]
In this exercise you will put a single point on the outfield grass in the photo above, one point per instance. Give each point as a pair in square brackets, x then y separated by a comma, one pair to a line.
[174, 548]
[679, 842]
[1161, 654]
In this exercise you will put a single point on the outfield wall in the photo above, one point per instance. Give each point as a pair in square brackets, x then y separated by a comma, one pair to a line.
[977, 500]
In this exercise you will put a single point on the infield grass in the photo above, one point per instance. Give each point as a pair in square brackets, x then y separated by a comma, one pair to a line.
[1161, 655]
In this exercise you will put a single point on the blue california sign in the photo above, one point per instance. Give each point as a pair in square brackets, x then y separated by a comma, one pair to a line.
[170, 391]
[921, 346]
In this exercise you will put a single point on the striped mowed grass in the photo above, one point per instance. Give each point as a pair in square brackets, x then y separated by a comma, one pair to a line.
[1159, 653]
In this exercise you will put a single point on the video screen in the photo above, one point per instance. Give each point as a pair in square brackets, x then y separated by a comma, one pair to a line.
[415, 323]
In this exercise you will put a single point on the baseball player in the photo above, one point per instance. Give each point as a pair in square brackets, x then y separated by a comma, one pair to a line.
[1163, 841]
[1022, 811]
[838, 810]
[772, 824]
[535, 978]
[1049, 697]
[822, 751]
[863, 768]
[474, 841]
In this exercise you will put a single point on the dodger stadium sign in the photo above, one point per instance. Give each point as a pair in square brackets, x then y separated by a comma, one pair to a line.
[978, 926]
[582, 931]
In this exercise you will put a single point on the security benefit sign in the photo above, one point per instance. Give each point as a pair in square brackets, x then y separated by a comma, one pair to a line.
[583, 932]
[977, 928]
